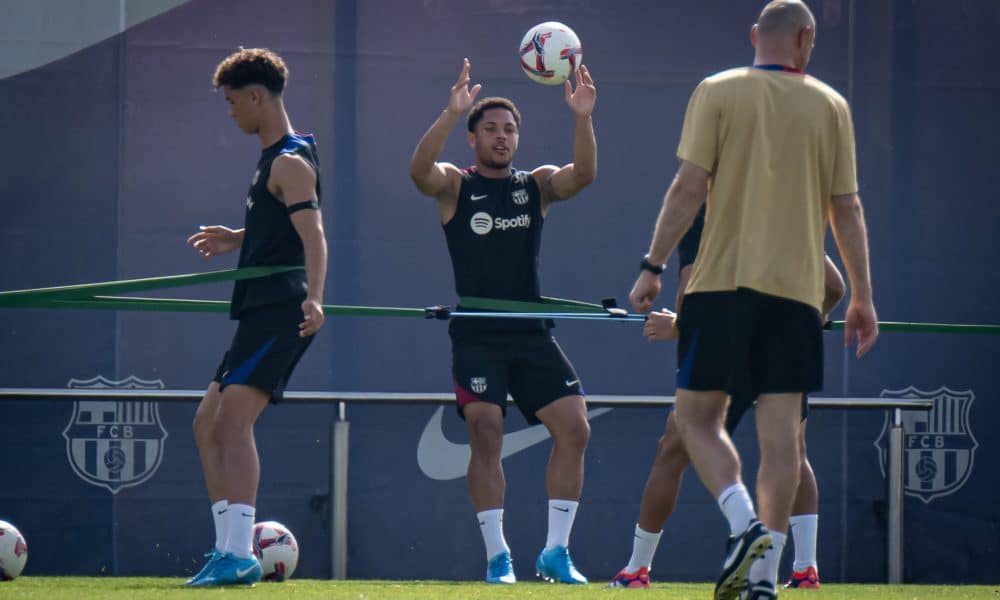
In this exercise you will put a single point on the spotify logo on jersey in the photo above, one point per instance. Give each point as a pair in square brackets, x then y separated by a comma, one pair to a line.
[482, 223]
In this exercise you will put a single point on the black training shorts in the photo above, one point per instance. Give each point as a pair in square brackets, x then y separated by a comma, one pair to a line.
[265, 349]
[746, 341]
[740, 404]
[529, 366]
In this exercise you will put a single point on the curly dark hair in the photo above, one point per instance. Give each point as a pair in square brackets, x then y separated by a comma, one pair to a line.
[476, 112]
[252, 66]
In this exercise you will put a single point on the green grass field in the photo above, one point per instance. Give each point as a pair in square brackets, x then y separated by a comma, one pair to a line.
[140, 588]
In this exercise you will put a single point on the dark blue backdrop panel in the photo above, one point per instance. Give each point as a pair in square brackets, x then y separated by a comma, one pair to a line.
[122, 150]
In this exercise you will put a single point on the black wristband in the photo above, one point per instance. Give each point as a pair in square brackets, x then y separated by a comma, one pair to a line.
[645, 265]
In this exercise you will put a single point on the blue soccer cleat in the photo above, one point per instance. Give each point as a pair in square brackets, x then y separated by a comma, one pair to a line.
[500, 569]
[554, 564]
[212, 556]
[741, 551]
[231, 570]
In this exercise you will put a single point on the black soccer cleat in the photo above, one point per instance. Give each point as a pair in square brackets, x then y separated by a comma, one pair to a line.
[741, 551]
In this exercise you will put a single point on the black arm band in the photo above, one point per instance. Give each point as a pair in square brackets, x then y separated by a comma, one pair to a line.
[307, 205]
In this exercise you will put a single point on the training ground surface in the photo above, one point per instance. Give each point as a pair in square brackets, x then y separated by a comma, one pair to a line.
[58, 588]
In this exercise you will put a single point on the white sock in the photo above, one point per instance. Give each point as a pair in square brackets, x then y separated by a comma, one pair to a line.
[766, 567]
[561, 515]
[803, 530]
[643, 548]
[240, 526]
[736, 505]
[219, 517]
[491, 526]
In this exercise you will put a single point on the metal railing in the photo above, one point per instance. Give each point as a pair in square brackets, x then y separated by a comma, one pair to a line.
[340, 432]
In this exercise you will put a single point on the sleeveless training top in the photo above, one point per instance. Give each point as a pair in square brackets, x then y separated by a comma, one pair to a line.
[493, 240]
[270, 238]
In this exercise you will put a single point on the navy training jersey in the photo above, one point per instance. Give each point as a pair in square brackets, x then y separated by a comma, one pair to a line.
[493, 240]
[687, 249]
[270, 238]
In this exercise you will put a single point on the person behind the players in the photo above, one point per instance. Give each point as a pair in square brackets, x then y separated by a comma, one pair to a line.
[778, 148]
[663, 483]
[278, 315]
[492, 218]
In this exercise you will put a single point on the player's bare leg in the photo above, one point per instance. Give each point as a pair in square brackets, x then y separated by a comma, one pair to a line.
[232, 444]
[659, 498]
[664, 482]
[778, 433]
[486, 483]
[210, 453]
[804, 523]
[238, 411]
[566, 420]
[209, 449]
[485, 476]
[700, 420]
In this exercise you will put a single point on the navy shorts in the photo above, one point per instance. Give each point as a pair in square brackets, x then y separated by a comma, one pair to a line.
[740, 404]
[530, 366]
[265, 349]
[744, 341]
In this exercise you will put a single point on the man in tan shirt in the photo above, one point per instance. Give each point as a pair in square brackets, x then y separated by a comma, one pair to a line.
[774, 151]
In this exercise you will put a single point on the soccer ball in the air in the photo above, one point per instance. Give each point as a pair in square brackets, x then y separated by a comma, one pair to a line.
[276, 549]
[550, 53]
[13, 551]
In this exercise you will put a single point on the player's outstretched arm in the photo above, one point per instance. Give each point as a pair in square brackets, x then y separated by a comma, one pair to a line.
[293, 181]
[567, 181]
[680, 206]
[847, 220]
[431, 177]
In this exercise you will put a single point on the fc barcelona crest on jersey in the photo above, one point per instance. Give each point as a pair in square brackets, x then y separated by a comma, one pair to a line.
[520, 197]
[478, 384]
[113, 443]
[938, 446]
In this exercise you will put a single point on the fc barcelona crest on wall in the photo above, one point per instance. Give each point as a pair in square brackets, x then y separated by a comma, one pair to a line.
[938, 447]
[115, 443]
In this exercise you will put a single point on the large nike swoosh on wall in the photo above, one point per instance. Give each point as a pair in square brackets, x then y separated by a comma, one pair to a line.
[443, 460]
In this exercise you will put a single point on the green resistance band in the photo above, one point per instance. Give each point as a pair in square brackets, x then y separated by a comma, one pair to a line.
[97, 296]
[213, 306]
[34, 297]
[547, 305]
[894, 326]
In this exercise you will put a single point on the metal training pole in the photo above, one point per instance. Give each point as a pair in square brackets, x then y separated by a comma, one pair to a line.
[895, 509]
[339, 442]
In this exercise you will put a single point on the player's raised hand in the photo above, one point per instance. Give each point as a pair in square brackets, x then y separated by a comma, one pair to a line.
[215, 239]
[461, 96]
[581, 101]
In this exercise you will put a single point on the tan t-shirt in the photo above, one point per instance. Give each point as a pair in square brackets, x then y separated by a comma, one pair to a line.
[778, 145]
